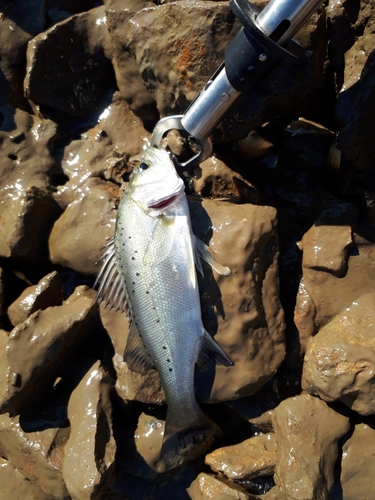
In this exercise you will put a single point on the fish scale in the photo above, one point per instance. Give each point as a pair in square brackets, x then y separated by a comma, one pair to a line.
[152, 261]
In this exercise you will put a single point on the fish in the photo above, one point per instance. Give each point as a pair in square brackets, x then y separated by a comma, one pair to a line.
[149, 271]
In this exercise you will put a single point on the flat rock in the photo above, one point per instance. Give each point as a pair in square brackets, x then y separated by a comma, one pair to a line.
[207, 487]
[90, 449]
[357, 464]
[307, 433]
[129, 385]
[340, 359]
[47, 293]
[36, 348]
[68, 66]
[250, 459]
[30, 454]
[85, 226]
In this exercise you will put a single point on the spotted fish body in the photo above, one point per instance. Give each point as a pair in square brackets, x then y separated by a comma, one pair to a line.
[151, 267]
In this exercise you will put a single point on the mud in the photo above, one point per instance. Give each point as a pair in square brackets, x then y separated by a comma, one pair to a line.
[286, 202]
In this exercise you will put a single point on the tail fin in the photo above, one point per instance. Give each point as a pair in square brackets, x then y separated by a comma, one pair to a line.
[183, 442]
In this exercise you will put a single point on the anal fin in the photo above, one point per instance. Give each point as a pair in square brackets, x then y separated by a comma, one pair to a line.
[201, 252]
[135, 355]
[211, 350]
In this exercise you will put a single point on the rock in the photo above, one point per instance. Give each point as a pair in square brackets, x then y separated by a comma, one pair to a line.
[47, 293]
[36, 348]
[340, 359]
[307, 432]
[177, 47]
[129, 385]
[19, 24]
[250, 459]
[244, 238]
[206, 487]
[13, 484]
[325, 248]
[128, 77]
[357, 464]
[85, 226]
[2, 308]
[254, 146]
[103, 151]
[68, 66]
[30, 454]
[91, 447]
[322, 296]
[149, 438]
[3, 367]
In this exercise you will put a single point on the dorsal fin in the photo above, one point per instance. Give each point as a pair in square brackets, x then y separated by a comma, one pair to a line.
[111, 288]
[211, 350]
[135, 355]
[201, 252]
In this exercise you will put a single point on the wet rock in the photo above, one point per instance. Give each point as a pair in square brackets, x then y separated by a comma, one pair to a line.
[149, 438]
[103, 151]
[128, 77]
[250, 327]
[307, 432]
[91, 447]
[36, 348]
[47, 293]
[325, 248]
[357, 464]
[1, 296]
[340, 359]
[129, 385]
[247, 460]
[177, 47]
[20, 22]
[3, 370]
[254, 146]
[30, 454]
[68, 66]
[85, 226]
[206, 487]
[13, 484]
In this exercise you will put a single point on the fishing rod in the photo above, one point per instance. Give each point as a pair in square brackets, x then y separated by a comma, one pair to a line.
[263, 43]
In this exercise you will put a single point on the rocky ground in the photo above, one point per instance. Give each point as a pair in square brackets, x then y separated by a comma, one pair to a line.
[287, 202]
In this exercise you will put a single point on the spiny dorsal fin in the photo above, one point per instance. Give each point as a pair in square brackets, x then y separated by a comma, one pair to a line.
[135, 355]
[111, 288]
[201, 252]
[211, 350]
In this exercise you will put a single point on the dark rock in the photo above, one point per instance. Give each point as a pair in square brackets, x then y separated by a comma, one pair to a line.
[36, 349]
[68, 68]
[208, 487]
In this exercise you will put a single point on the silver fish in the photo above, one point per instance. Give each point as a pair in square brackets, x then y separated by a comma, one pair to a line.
[149, 271]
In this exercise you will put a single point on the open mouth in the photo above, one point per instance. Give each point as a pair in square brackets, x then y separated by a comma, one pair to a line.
[164, 203]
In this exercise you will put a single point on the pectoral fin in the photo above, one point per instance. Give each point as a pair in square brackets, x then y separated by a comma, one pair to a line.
[211, 350]
[135, 355]
[201, 252]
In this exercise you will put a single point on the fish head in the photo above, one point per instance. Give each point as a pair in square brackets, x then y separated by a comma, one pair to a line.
[155, 183]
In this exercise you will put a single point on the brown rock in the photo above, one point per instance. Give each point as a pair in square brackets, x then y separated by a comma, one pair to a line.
[3, 366]
[358, 463]
[128, 77]
[90, 449]
[244, 238]
[250, 459]
[149, 438]
[307, 432]
[325, 248]
[13, 484]
[84, 227]
[340, 359]
[207, 487]
[29, 453]
[68, 68]
[129, 385]
[177, 47]
[47, 293]
[36, 348]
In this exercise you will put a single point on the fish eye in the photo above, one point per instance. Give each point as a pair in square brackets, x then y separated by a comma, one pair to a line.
[143, 166]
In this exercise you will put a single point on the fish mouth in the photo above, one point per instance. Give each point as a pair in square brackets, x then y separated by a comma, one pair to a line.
[165, 203]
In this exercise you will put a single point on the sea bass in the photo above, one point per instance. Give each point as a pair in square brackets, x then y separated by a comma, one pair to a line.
[149, 270]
